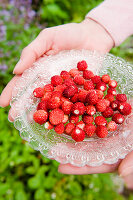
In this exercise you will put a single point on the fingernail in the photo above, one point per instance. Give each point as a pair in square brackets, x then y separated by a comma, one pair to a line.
[17, 66]
[127, 171]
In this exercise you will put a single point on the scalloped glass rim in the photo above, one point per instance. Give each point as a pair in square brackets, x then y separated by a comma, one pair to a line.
[91, 152]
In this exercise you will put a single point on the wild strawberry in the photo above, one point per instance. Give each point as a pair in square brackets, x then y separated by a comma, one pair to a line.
[82, 95]
[109, 97]
[107, 102]
[82, 65]
[95, 79]
[112, 91]
[46, 96]
[74, 99]
[65, 75]
[78, 108]
[89, 129]
[90, 110]
[40, 116]
[118, 118]
[99, 93]
[66, 107]
[108, 112]
[112, 126]
[38, 92]
[73, 119]
[101, 86]
[101, 131]
[113, 83]
[105, 78]
[88, 85]
[78, 134]
[121, 97]
[60, 88]
[59, 128]
[48, 126]
[73, 72]
[56, 116]
[65, 119]
[56, 94]
[124, 108]
[56, 80]
[42, 105]
[70, 91]
[69, 127]
[63, 99]
[69, 82]
[48, 88]
[92, 98]
[87, 119]
[100, 120]
[114, 105]
[87, 74]
[53, 103]
[101, 105]
[80, 124]
[79, 80]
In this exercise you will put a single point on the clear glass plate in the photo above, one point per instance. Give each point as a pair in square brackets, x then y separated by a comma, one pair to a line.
[62, 148]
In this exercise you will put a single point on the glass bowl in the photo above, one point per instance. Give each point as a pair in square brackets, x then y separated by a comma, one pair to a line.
[92, 151]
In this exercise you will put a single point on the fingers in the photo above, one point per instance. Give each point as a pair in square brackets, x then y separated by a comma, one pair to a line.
[7, 92]
[70, 169]
[34, 50]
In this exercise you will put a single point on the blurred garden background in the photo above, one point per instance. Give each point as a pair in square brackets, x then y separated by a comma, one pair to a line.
[24, 173]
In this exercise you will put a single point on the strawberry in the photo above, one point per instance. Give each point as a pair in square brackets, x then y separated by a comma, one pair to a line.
[42, 105]
[59, 128]
[100, 120]
[69, 82]
[99, 93]
[88, 85]
[73, 119]
[60, 88]
[56, 94]
[78, 134]
[79, 80]
[101, 105]
[38, 92]
[107, 102]
[87, 119]
[48, 126]
[56, 116]
[92, 98]
[82, 95]
[113, 83]
[65, 119]
[105, 78]
[66, 107]
[63, 99]
[74, 99]
[70, 91]
[87, 74]
[82, 65]
[80, 124]
[108, 112]
[69, 127]
[89, 129]
[95, 79]
[78, 108]
[101, 131]
[118, 118]
[46, 96]
[73, 72]
[56, 80]
[109, 97]
[53, 103]
[65, 75]
[112, 91]
[114, 105]
[90, 110]
[48, 88]
[124, 108]
[40, 116]
[101, 86]
[121, 97]
[112, 126]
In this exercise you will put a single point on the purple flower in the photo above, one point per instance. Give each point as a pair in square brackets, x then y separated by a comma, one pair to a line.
[3, 68]
[2, 32]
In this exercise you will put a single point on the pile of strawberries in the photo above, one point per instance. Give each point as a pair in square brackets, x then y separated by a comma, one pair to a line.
[81, 104]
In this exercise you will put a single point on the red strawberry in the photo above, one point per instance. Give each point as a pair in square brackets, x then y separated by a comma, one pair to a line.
[53, 103]
[48, 88]
[107, 102]
[112, 91]
[73, 72]
[101, 105]
[65, 75]
[69, 127]
[59, 128]
[38, 92]
[89, 129]
[69, 82]
[42, 105]
[78, 108]
[79, 80]
[73, 119]
[56, 80]
[87, 74]
[87, 119]
[113, 83]
[100, 120]
[124, 108]
[74, 99]
[90, 110]
[99, 93]
[118, 118]
[112, 126]
[106, 78]
[109, 97]
[92, 98]
[46, 96]
[114, 105]
[101, 86]
[88, 85]
[40, 116]
[78, 134]
[60, 88]
[82, 65]
[66, 107]
[56, 116]
[82, 95]
[64, 99]
[56, 94]
[70, 91]
[101, 131]
[65, 119]
[48, 126]
[95, 79]
[80, 124]
[108, 112]
[121, 97]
